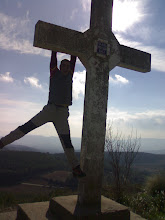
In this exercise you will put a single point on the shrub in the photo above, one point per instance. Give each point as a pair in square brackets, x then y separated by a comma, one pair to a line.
[141, 203]
[156, 185]
[6, 200]
[147, 206]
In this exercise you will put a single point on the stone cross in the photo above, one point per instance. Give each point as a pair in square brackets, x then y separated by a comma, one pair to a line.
[99, 51]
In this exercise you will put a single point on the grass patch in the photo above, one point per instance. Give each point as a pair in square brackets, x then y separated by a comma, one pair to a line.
[12, 200]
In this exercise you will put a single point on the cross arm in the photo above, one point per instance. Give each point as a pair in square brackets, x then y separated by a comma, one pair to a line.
[57, 38]
[135, 59]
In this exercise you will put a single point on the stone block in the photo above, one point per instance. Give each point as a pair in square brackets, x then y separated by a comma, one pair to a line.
[41, 211]
[34, 211]
[8, 215]
[66, 207]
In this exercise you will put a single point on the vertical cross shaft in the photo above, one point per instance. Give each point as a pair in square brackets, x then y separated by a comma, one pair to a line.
[101, 14]
[93, 136]
[95, 109]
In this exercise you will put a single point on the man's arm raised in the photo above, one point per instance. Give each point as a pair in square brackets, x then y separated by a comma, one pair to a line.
[53, 63]
[72, 63]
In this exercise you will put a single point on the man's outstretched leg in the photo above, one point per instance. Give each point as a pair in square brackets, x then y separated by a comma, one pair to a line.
[17, 134]
[41, 118]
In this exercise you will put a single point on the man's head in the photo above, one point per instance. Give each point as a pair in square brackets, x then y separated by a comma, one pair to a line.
[65, 66]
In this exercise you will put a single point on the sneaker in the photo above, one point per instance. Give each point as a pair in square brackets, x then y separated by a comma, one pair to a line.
[77, 172]
[1, 144]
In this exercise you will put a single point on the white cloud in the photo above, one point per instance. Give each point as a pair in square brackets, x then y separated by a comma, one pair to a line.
[15, 112]
[86, 4]
[126, 13]
[6, 77]
[149, 123]
[116, 114]
[75, 122]
[33, 81]
[74, 12]
[16, 27]
[18, 104]
[15, 34]
[118, 80]
[121, 79]
[79, 84]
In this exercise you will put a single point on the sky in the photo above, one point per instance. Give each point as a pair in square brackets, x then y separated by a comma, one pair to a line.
[135, 100]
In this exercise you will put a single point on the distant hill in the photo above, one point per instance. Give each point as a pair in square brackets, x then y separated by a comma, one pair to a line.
[153, 145]
[44, 144]
[157, 151]
[145, 159]
[13, 147]
[53, 145]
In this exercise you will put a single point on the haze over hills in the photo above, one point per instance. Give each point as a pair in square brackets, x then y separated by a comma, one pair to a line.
[41, 144]
[53, 145]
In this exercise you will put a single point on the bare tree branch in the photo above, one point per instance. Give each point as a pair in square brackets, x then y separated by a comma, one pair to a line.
[122, 153]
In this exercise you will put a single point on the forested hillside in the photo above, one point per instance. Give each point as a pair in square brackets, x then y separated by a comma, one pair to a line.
[16, 166]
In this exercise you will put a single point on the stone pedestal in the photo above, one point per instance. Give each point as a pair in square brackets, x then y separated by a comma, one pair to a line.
[41, 211]
[66, 207]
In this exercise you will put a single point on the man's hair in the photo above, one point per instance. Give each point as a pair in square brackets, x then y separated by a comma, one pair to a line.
[64, 60]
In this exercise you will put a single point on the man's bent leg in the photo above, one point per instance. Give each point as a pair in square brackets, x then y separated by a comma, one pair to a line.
[70, 153]
[69, 150]
[62, 127]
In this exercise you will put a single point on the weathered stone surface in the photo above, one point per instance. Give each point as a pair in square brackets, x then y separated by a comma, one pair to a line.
[135, 59]
[67, 208]
[8, 215]
[57, 38]
[101, 15]
[92, 149]
[134, 216]
[34, 211]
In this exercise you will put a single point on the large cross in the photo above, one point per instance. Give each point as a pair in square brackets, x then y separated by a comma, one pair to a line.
[99, 51]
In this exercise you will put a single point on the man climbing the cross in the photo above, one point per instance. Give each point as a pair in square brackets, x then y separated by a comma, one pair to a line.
[56, 111]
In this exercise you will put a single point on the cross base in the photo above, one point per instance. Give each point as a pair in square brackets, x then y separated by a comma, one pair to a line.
[66, 207]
